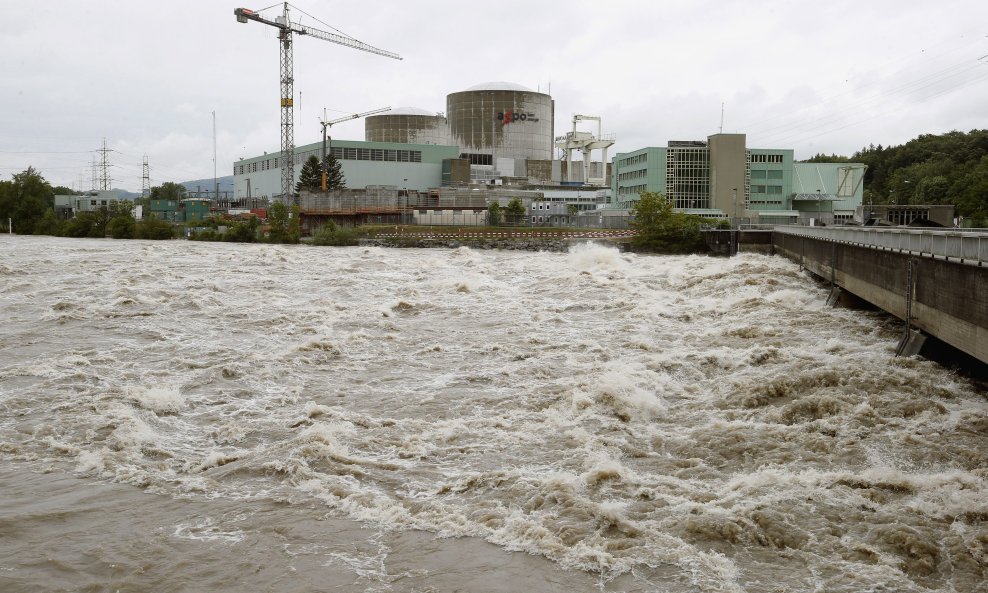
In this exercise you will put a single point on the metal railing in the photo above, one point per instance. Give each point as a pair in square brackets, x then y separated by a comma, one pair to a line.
[962, 245]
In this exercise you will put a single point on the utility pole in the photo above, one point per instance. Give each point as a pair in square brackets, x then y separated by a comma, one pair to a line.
[104, 177]
[146, 179]
[216, 183]
[95, 181]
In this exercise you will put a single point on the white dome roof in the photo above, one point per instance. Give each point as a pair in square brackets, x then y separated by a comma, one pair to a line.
[408, 111]
[499, 86]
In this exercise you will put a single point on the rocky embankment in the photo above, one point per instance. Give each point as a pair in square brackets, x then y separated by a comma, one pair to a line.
[517, 244]
[561, 244]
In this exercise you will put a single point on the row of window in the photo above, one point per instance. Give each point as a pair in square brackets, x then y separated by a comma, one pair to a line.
[766, 158]
[631, 190]
[345, 153]
[377, 154]
[763, 174]
[632, 175]
[766, 189]
[478, 158]
[634, 160]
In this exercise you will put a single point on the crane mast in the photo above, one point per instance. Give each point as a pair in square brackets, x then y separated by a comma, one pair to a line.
[285, 29]
[328, 124]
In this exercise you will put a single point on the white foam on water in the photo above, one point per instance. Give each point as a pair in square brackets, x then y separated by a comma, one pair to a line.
[705, 421]
[161, 400]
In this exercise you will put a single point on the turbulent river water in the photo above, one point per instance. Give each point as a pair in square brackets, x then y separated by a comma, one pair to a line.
[181, 416]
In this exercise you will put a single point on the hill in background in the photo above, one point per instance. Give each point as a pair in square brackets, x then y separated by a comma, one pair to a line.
[206, 185]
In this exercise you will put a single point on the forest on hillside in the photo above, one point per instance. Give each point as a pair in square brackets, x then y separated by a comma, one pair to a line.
[949, 168]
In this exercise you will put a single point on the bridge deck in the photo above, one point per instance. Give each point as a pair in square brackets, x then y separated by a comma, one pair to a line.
[964, 246]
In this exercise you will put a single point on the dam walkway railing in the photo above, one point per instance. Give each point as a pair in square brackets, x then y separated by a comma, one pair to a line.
[968, 246]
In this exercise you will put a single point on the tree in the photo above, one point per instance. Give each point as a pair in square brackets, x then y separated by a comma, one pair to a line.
[278, 222]
[121, 224]
[243, 232]
[309, 178]
[25, 199]
[84, 224]
[663, 230]
[822, 158]
[283, 224]
[931, 169]
[168, 191]
[155, 229]
[101, 217]
[494, 215]
[514, 212]
[334, 173]
[295, 225]
[48, 225]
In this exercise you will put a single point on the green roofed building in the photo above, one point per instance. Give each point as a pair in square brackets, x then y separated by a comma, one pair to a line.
[403, 166]
[721, 177]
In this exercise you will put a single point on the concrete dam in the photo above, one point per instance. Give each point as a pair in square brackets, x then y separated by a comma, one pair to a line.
[936, 281]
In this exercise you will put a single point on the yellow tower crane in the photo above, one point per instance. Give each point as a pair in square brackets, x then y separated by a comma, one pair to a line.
[285, 30]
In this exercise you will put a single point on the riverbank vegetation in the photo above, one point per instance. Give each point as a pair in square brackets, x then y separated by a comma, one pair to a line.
[949, 168]
[660, 229]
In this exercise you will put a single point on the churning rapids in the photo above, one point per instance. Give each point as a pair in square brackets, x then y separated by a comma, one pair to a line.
[185, 416]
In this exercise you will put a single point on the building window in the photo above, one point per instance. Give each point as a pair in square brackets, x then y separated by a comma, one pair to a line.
[845, 182]
[774, 189]
[478, 159]
[775, 174]
[758, 174]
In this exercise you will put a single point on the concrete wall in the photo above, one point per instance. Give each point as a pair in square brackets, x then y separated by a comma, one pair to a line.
[727, 173]
[949, 299]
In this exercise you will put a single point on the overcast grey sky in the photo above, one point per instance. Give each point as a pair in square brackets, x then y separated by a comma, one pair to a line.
[810, 75]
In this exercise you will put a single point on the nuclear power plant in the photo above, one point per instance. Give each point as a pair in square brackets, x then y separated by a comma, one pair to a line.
[496, 133]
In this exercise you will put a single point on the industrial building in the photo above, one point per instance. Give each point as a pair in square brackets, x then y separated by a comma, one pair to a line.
[497, 133]
[406, 166]
[722, 178]
[68, 206]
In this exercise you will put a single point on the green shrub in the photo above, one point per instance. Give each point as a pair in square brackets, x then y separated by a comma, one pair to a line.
[332, 235]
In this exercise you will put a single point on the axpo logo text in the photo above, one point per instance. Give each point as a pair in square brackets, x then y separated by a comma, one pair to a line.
[508, 117]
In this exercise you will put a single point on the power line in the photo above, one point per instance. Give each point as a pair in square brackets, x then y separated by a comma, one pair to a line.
[46, 151]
